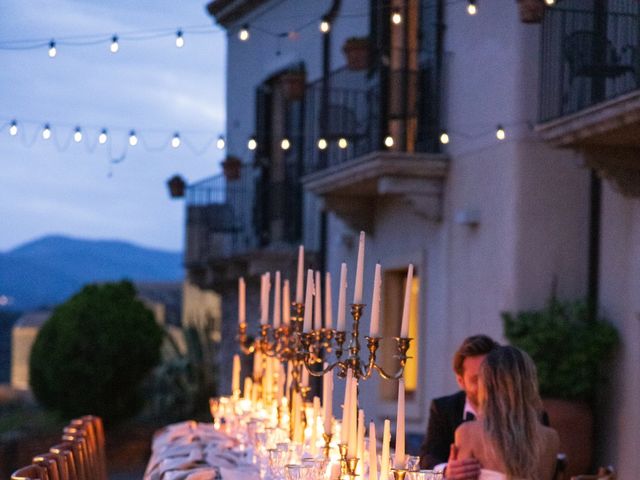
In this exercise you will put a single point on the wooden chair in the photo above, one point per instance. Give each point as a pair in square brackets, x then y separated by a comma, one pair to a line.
[97, 427]
[79, 427]
[68, 460]
[78, 446]
[31, 472]
[51, 462]
[604, 473]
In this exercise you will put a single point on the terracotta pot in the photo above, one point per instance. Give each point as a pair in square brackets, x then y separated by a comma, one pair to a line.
[574, 423]
[531, 11]
[356, 51]
[231, 168]
[176, 186]
[293, 85]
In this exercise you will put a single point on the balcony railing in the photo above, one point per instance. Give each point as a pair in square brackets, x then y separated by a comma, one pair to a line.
[218, 218]
[590, 53]
[360, 109]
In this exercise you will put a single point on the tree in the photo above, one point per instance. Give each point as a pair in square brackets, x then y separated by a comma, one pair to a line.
[92, 355]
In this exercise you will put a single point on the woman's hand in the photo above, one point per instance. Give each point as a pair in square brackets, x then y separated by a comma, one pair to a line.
[466, 469]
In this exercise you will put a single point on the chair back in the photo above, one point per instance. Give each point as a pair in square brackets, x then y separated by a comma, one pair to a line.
[70, 466]
[30, 472]
[51, 462]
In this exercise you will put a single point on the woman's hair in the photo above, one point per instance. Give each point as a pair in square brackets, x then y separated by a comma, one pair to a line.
[511, 406]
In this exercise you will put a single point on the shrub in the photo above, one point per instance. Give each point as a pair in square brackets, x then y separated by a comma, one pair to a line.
[92, 355]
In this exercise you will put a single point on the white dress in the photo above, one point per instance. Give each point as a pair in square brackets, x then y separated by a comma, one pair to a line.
[491, 475]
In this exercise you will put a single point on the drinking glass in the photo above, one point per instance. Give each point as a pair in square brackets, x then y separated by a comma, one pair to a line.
[412, 463]
[277, 461]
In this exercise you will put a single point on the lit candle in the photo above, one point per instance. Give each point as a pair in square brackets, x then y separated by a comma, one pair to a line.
[276, 302]
[300, 277]
[286, 303]
[248, 385]
[257, 365]
[404, 328]
[308, 302]
[328, 317]
[327, 399]
[281, 380]
[305, 376]
[352, 446]
[373, 454]
[242, 302]
[386, 441]
[361, 429]
[399, 459]
[317, 303]
[342, 294]
[344, 429]
[289, 377]
[264, 304]
[314, 426]
[357, 291]
[235, 376]
[374, 330]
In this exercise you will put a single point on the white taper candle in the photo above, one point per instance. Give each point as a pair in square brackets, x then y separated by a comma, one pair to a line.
[357, 290]
[342, 300]
[404, 327]
[300, 276]
[374, 330]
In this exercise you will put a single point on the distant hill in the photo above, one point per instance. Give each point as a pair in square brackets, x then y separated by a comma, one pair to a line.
[46, 271]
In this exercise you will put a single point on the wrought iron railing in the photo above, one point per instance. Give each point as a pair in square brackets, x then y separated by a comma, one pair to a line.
[590, 52]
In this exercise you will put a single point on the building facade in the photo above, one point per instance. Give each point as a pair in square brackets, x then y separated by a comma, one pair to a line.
[491, 222]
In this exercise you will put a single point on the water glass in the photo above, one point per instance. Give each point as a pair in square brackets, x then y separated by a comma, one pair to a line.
[277, 461]
[412, 463]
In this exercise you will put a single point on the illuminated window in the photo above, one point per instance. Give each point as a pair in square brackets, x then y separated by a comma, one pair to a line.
[393, 285]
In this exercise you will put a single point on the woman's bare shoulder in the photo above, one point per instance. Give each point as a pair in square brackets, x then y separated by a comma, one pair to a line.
[468, 431]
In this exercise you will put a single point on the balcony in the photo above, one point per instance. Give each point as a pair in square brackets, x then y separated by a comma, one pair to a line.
[356, 113]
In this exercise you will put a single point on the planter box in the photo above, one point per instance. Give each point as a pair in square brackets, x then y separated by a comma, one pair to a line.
[531, 11]
[293, 85]
[356, 51]
[231, 167]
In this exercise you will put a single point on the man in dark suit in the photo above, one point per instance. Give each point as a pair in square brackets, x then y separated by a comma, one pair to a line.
[447, 413]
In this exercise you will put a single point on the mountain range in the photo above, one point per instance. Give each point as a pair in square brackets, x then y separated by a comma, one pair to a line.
[46, 271]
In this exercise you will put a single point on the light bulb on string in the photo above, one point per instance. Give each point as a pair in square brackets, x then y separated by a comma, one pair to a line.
[325, 26]
[102, 138]
[388, 141]
[500, 133]
[285, 144]
[396, 16]
[115, 46]
[175, 141]
[322, 144]
[243, 34]
[133, 139]
[471, 7]
[52, 49]
[13, 129]
[179, 39]
[550, 2]
[46, 132]
[252, 144]
[342, 143]
[77, 135]
[220, 143]
[444, 138]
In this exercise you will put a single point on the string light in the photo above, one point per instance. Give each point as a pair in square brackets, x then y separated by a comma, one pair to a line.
[175, 141]
[179, 39]
[444, 138]
[252, 144]
[114, 44]
[13, 129]
[396, 17]
[322, 144]
[46, 132]
[220, 143]
[325, 26]
[285, 144]
[388, 141]
[133, 139]
[52, 49]
[102, 138]
[244, 33]
[500, 133]
[77, 135]
[471, 7]
[550, 2]
[342, 143]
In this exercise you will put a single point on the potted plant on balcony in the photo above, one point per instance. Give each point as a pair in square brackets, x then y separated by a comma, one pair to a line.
[531, 11]
[231, 167]
[176, 186]
[356, 51]
[293, 83]
[571, 348]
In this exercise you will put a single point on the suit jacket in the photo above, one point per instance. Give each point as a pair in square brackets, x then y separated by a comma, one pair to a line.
[445, 415]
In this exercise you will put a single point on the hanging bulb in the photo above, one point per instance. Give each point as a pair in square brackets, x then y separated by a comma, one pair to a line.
[500, 133]
[252, 144]
[133, 139]
[13, 129]
[444, 138]
[179, 39]
[102, 138]
[550, 2]
[471, 7]
[220, 143]
[243, 34]
[325, 26]
[396, 17]
[388, 141]
[46, 132]
[52, 49]
[342, 143]
[115, 46]
[322, 144]
[285, 144]
[175, 141]
[77, 135]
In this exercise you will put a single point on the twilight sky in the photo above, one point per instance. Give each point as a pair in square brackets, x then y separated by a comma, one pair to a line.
[149, 85]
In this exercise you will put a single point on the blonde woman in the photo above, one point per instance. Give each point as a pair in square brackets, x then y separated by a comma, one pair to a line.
[508, 439]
